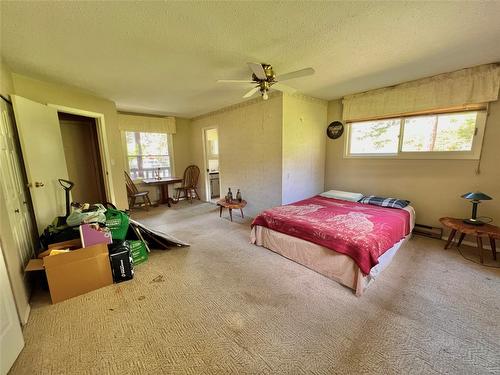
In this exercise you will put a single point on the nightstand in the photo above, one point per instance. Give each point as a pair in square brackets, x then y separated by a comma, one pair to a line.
[492, 232]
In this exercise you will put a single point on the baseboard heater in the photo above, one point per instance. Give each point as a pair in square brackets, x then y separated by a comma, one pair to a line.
[428, 231]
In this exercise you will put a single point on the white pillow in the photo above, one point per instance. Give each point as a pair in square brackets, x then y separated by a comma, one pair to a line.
[343, 195]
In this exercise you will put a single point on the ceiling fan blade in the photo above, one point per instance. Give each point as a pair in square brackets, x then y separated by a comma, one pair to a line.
[296, 74]
[234, 81]
[284, 88]
[251, 92]
[258, 70]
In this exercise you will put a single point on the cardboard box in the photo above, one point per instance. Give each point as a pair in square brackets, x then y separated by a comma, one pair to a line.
[76, 272]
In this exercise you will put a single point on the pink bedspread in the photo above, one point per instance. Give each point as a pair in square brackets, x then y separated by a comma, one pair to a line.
[362, 231]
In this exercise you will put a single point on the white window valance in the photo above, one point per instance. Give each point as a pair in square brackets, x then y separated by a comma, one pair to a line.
[475, 85]
[147, 124]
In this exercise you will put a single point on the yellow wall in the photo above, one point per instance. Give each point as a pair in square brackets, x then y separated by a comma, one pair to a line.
[6, 84]
[433, 186]
[249, 150]
[274, 150]
[182, 145]
[304, 124]
[53, 93]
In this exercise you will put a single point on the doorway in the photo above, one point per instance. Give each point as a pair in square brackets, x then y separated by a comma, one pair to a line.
[83, 157]
[212, 175]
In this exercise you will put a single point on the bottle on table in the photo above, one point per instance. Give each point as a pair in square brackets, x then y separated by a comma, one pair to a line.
[238, 196]
[230, 195]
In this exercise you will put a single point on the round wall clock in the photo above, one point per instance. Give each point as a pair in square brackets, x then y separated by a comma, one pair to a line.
[335, 130]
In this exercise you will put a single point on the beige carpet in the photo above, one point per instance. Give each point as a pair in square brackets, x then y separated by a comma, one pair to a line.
[225, 306]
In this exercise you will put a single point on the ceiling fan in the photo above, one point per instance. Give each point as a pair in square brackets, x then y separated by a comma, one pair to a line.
[263, 77]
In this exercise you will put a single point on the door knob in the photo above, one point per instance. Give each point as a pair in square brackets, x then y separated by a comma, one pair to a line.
[38, 184]
[16, 210]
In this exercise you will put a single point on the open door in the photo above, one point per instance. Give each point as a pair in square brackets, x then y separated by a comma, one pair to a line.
[43, 155]
[11, 336]
[212, 176]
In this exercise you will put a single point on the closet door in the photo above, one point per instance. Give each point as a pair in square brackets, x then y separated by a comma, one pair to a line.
[13, 188]
[43, 155]
[17, 232]
[11, 336]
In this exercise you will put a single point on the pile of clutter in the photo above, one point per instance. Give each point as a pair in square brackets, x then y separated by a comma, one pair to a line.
[94, 246]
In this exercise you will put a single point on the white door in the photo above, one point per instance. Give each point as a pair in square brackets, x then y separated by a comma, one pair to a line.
[13, 189]
[43, 155]
[16, 228]
[11, 336]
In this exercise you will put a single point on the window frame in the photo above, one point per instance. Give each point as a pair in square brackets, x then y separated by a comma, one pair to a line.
[126, 155]
[473, 154]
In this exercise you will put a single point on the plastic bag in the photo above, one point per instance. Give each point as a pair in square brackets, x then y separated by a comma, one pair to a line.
[117, 221]
[95, 214]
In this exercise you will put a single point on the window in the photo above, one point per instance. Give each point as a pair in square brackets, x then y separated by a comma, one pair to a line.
[447, 135]
[148, 154]
[453, 132]
[375, 137]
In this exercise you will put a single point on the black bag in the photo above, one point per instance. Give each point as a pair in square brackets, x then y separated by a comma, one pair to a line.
[53, 234]
[122, 265]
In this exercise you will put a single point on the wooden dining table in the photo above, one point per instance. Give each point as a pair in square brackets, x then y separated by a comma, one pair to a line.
[162, 184]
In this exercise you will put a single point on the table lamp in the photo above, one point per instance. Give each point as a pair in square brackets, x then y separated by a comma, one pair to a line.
[475, 199]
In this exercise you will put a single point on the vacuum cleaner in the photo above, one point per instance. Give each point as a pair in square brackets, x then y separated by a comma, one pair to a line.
[67, 186]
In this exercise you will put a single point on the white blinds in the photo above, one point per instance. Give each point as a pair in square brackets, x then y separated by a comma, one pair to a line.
[147, 124]
[475, 85]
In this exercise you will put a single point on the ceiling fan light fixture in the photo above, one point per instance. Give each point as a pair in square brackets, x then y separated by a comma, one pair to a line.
[263, 77]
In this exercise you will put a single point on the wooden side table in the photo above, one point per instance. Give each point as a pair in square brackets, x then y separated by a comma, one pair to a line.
[233, 205]
[478, 231]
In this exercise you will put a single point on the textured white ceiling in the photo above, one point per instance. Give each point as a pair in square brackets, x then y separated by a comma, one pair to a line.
[160, 57]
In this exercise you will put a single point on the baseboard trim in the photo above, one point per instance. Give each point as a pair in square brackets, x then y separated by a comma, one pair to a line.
[486, 245]
[26, 315]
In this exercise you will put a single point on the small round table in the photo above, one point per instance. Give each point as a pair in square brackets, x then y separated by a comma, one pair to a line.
[233, 205]
[478, 231]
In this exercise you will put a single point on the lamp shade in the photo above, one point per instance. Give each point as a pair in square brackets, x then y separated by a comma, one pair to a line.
[477, 196]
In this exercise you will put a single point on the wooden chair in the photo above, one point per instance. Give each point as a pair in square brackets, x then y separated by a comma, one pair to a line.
[189, 184]
[133, 194]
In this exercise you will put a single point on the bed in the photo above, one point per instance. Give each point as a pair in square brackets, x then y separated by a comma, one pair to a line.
[349, 242]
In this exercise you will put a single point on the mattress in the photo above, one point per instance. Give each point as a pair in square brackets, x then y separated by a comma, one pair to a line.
[362, 231]
[336, 266]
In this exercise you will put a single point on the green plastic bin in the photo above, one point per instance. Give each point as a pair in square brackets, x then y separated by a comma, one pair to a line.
[117, 221]
[138, 251]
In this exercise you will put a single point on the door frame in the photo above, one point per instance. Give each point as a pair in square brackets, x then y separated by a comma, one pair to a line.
[103, 145]
[208, 196]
